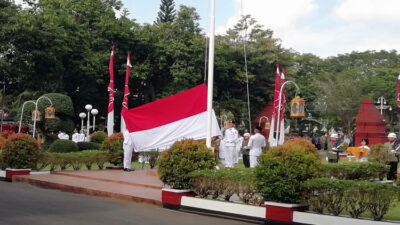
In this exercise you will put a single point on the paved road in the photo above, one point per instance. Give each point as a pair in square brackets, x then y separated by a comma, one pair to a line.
[29, 205]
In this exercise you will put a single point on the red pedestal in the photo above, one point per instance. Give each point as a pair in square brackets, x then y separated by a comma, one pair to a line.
[171, 198]
[282, 212]
[370, 124]
[12, 172]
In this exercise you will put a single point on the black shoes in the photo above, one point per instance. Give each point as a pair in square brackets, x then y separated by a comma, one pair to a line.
[128, 170]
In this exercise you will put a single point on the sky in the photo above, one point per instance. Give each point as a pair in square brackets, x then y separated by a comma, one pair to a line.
[321, 27]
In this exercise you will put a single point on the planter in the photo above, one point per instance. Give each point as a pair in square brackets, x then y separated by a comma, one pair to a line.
[283, 212]
[171, 198]
[320, 219]
[9, 173]
[223, 209]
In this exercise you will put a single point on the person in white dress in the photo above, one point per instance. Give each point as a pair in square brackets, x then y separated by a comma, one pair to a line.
[75, 136]
[63, 136]
[81, 137]
[128, 149]
[230, 140]
[256, 144]
[364, 144]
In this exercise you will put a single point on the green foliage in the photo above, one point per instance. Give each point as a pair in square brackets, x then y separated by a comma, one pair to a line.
[21, 151]
[355, 170]
[88, 145]
[113, 145]
[63, 146]
[167, 12]
[152, 157]
[53, 125]
[98, 137]
[67, 125]
[61, 102]
[379, 153]
[182, 158]
[353, 196]
[281, 171]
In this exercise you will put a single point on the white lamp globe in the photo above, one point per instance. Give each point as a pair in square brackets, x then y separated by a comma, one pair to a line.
[88, 107]
[82, 115]
[94, 112]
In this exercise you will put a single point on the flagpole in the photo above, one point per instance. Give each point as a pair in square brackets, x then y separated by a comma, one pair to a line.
[210, 75]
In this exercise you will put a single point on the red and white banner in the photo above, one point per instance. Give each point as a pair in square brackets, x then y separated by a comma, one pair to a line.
[159, 124]
[110, 117]
[126, 92]
[398, 90]
[271, 139]
[282, 112]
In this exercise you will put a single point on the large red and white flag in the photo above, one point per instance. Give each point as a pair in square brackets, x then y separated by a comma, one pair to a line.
[159, 124]
[282, 112]
[126, 92]
[271, 139]
[110, 117]
[398, 90]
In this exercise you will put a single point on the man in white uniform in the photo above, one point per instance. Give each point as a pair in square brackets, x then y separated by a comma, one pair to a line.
[128, 148]
[81, 137]
[256, 143]
[230, 141]
[75, 136]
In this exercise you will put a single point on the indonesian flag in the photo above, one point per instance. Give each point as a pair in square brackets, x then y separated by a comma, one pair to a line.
[159, 124]
[271, 139]
[282, 116]
[126, 92]
[398, 90]
[110, 117]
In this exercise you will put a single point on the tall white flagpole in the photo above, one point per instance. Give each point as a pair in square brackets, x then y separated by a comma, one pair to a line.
[210, 83]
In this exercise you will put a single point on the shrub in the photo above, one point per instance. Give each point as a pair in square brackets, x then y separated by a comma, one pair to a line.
[98, 137]
[21, 151]
[303, 143]
[113, 145]
[282, 170]
[5, 134]
[88, 146]
[379, 153]
[355, 170]
[63, 146]
[175, 164]
[47, 142]
[2, 142]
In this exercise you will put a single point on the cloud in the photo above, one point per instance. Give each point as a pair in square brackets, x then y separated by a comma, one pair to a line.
[369, 10]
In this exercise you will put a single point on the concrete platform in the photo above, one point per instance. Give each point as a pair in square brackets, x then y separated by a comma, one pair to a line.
[138, 186]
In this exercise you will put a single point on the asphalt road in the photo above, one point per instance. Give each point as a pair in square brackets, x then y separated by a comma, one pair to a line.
[29, 205]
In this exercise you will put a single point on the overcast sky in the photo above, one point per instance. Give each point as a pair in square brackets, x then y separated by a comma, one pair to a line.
[321, 27]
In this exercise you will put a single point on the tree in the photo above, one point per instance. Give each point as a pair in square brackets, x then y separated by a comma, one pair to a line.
[166, 13]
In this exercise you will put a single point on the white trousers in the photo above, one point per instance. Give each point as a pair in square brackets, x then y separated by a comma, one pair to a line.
[230, 152]
[253, 161]
[128, 149]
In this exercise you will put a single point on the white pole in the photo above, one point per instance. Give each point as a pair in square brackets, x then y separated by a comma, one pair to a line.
[22, 113]
[88, 125]
[94, 122]
[81, 125]
[210, 75]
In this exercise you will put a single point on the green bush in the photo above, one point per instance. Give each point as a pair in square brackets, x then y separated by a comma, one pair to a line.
[63, 146]
[88, 145]
[1, 160]
[113, 145]
[352, 196]
[355, 170]
[282, 170]
[224, 183]
[184, 157]
[152, 157]
[98, 137]
[21, 151]
[379, 153]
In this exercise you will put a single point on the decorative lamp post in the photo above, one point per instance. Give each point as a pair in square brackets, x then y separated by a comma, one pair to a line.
[297, 107]
[88, 107]
[36, 113]
[267, 124]
[94, 113]
[82, 115]
[50, 113]
[382, 101]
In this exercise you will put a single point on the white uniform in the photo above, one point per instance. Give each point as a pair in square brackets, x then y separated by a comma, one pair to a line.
[256, 143]
[239, 144]
[364, 158]
[75, 137]
[230, 141]
[63, 136]
[81, 137]
[128, 148]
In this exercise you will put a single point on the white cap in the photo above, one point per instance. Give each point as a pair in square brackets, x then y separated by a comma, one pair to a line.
[334, 135]
[392, 135]
[246, 135]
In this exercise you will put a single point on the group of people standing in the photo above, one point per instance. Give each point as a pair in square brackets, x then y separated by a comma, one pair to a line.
[76, 136]
[231, 144]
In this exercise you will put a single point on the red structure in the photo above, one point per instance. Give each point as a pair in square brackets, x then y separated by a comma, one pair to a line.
[267, 111]
[370, 124]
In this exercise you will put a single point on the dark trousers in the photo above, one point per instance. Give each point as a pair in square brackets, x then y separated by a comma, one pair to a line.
[392, 174]
[246, 161]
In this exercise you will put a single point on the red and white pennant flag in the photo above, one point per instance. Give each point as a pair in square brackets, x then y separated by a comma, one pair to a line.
[271, 139]
[398, 90]
[126, 92]
[282, 112]
[110, 116]
[159, 124]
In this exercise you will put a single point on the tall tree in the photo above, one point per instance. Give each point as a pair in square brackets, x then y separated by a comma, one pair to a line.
[167, 12]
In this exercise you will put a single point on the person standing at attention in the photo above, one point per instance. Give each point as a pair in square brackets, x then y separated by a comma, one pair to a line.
[256, 143]
[230, 140]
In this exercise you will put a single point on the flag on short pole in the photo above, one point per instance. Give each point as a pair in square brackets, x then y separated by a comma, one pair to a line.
[271, 139]
[282, 112]
[110, 116]
[126, 92]
[398, 90]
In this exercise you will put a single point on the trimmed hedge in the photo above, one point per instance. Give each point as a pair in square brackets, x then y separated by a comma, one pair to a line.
[355, 170]
[63, 146]
[88, 145]
[21, 151]
[98, 137]
[182, 158]
[334, 196]
[113, 145]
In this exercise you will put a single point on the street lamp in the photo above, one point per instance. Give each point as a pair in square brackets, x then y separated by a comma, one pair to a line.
[94, 113]
[82, 115]
[88, 107]
[267, 124]
[34, 118]
[382, 101]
